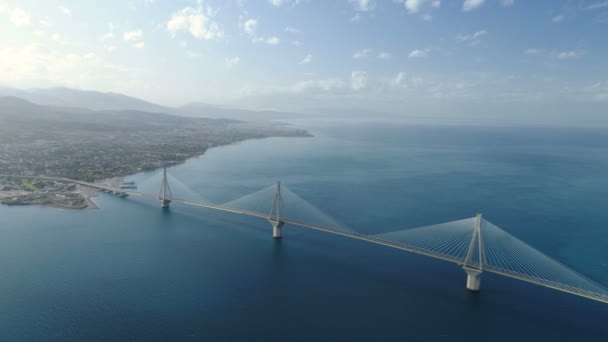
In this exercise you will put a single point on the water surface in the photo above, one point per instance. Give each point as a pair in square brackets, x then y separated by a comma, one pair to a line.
[130, 271]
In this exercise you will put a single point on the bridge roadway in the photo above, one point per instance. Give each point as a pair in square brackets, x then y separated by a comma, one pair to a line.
[353, 235]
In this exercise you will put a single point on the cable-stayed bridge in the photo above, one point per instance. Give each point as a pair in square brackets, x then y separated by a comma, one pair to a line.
[473, 243]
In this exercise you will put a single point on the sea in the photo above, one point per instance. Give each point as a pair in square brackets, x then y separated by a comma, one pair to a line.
[130, 271]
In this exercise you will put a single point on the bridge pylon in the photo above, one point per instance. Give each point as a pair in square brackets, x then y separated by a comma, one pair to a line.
[275, 214]
[165, 195]
[473, 268]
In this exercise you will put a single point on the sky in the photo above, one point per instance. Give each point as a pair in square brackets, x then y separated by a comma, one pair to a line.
[485, 58]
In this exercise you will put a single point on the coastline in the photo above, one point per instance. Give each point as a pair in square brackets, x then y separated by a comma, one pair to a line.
[88, 193]
[90, 203]
[114, 182]
[85, 192]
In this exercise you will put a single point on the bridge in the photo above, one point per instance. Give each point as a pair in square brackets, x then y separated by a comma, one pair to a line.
[474, 243]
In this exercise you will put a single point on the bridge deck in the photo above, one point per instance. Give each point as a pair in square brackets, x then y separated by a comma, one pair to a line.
[353, 235]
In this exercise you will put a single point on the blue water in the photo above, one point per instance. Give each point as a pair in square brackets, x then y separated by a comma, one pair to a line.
[130, 271]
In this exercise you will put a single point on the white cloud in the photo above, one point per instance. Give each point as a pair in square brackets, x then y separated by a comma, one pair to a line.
[472, 38]
[363, 5]
[56, 37]
[356, 18]
[19, 17]
[195, 21]
[296, 43]
[325, 85]
[306, 60]
[361, 54]
[132, 35]
[597, 5]
[398, 80]
[274, 40]
[402, 80]
[419, 53]
[65, 10]
[557, 19]
[533, 51]
[469, 5]
[384, 55]
[110, 34]
[250, 26]
[358, 80]
[35, 64]
[414, 6]
[560, 55]
[507, 3]
[597, 92]
[231, 62]
[569, 54]
[476, 34]
[278, 3]
[291, 30]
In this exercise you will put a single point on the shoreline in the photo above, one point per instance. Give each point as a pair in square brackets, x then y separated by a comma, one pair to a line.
[114, 182]
[85, 192]
[90, 203]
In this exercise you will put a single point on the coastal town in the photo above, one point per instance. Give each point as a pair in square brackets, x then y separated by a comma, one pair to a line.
[22, 191]
[100, 146]
[29, 190]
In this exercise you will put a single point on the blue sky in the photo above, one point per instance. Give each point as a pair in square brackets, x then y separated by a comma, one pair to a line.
[407, 56]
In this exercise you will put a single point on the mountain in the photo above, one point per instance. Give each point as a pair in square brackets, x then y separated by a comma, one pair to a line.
[98, 101]
[93, 100]
[16, 109]
[198, 109]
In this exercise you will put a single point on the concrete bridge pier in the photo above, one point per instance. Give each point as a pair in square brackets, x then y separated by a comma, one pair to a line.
[165, 194]
[275, 214]
[277, 231]
[473, 279]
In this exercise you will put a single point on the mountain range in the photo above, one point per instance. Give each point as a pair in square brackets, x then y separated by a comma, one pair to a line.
[67, 98]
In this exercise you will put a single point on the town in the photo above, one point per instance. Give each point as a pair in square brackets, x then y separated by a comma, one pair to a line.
[92, 146]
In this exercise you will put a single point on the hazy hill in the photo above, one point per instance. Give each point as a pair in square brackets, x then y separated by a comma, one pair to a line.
[198, 109]
[94, 100]
[19, 111]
